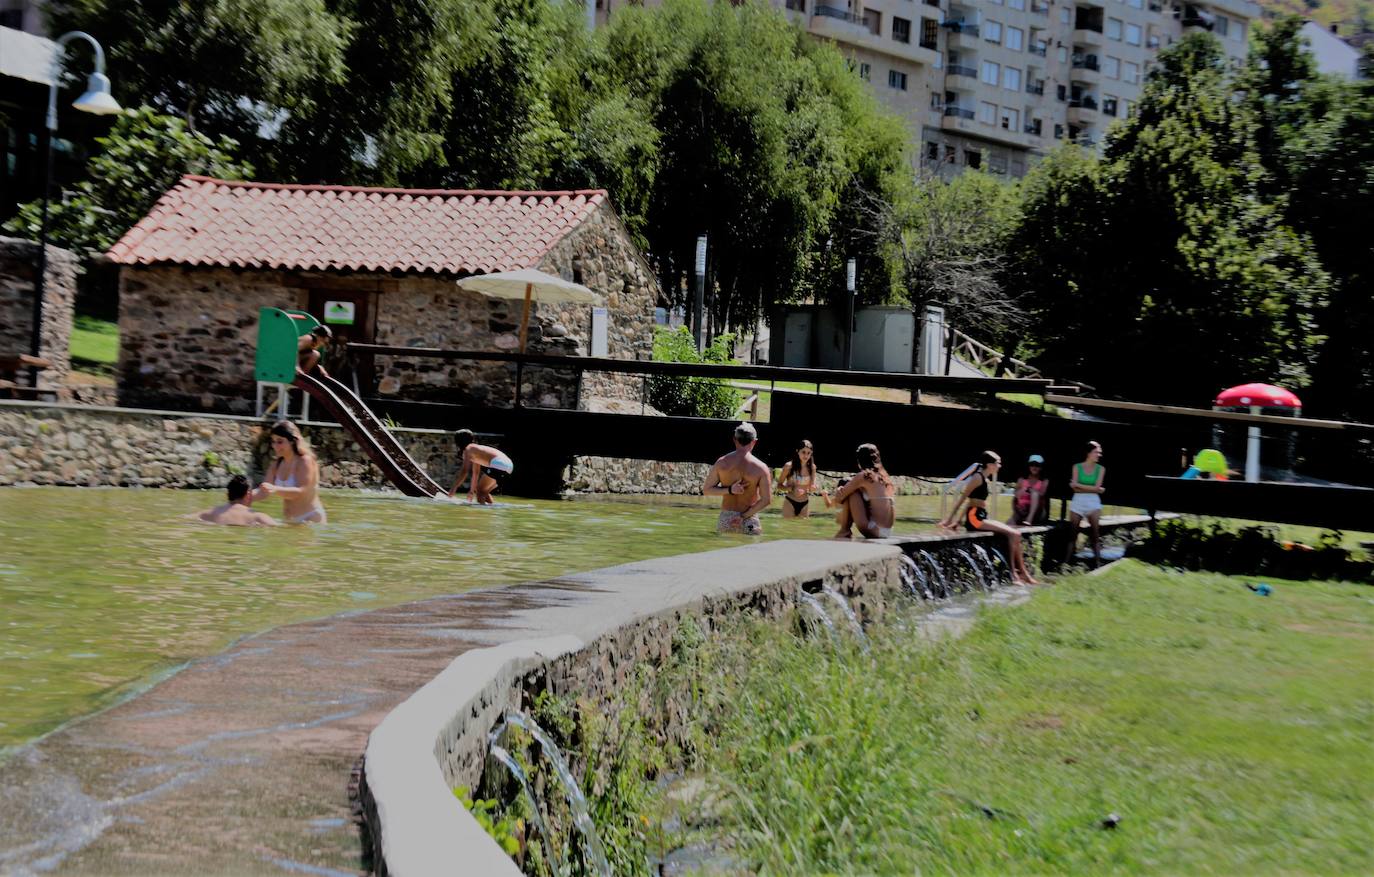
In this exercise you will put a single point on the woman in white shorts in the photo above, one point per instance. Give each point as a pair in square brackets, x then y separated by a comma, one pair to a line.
[1086, 484]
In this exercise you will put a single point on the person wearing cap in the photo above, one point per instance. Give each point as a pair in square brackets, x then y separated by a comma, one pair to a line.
[744, 484]
[1032, 494]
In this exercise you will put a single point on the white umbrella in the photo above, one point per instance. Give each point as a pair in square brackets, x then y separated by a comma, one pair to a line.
[533, 285]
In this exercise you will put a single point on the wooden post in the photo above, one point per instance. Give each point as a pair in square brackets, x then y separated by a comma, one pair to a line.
[525, 319]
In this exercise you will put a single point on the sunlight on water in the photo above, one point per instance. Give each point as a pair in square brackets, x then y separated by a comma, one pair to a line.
[104, 590]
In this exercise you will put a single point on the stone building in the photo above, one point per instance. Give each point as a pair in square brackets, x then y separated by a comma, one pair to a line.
[385, 263]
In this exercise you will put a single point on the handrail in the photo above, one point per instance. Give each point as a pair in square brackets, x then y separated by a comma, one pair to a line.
[984, 358]
[891, 380]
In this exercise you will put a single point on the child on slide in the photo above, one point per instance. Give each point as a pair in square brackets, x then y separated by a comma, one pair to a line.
[483, 466]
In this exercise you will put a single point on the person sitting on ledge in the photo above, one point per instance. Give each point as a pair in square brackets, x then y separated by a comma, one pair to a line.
[308, 350]
[237, 512]
[976, 520]
[744, 484]
[868, 500]
[484, 467]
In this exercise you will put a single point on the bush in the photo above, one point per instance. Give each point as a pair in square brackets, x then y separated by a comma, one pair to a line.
[1249, 551]
[692, 397]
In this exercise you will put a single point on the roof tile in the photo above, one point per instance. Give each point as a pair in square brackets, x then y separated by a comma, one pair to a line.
[204, 221]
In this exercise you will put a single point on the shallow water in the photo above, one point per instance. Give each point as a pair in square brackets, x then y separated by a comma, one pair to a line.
[102, 591]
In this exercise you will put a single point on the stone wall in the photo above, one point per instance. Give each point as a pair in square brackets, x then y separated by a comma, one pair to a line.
[91, 446]
[620, 475]
[18, 271]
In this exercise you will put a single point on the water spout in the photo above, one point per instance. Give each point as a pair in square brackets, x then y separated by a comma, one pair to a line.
[848, 610]
[506, 760]
[914, 579]
[809, 601]
[975, 568]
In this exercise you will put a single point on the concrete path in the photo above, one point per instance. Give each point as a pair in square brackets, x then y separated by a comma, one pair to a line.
[242, 763]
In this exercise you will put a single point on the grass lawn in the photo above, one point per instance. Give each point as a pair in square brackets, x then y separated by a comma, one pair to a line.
[1230, 733]
[94, 345]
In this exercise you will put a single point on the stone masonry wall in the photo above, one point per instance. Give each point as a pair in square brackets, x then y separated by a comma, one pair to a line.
[620, 475]
[18, 271]
[90, 446]
[601, 256]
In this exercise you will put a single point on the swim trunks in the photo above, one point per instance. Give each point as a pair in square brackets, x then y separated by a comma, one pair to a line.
[976, 517]
[736, 522]
[499, 467]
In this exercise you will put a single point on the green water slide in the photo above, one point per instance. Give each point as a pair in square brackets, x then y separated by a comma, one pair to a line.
[279, 333]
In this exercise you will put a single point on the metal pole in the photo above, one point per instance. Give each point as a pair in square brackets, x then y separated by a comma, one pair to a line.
[850, 271]
[36, 340]
[590, 7]
[698, 317]
[1252, 450]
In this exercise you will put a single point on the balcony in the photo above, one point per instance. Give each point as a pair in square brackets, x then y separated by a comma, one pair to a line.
[961, 70]
[1033, 128]
[837, 13]
[1036, 87]
[1085, 62]
[1040, 9]
[1041, 49]
[1083, 111]
[833, 23]
[958, 112]
[1088, 36]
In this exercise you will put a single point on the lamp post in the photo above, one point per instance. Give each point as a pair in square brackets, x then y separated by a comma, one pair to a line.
[851, 270]
[698, 312]
[96, 100]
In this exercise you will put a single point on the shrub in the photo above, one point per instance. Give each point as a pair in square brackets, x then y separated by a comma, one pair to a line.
[1249, 551]
[692, 397]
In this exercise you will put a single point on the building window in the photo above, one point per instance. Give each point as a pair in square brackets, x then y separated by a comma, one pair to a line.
[1015, 38]
[901, 29]
[1058, 132]
[1220, 25]
[1111, 67]
[1011, 119]
[937, 101]
[1011, 79]
[950, 154]
[1063, 54]
[1136, 4]
[1061, 92]
[1132, 72]
[932, 151]
[1016, 4]
[987, 113]
[1064, 15]
[973, 158]
[896, 79]
[865, 71]
[794, 5]
[998, 164]
[1109, 105]
[1133, 34]
[1114, 29]
[930, 33]
[992, 31]
[992, 72]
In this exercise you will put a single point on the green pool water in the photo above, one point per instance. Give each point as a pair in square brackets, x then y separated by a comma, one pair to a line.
[103, 591]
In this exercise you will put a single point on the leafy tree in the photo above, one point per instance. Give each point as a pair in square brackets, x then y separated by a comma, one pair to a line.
[143, 156]
[692, 397]
[225, 67]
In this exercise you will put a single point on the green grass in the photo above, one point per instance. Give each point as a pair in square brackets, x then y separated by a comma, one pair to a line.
[1230, 732]
[94, 345]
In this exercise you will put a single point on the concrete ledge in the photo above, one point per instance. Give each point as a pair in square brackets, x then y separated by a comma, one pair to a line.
[436, 739]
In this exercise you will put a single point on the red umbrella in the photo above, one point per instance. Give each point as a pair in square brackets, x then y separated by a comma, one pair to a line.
[1259, 395]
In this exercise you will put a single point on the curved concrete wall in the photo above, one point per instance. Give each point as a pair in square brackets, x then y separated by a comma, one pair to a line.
[587, 642]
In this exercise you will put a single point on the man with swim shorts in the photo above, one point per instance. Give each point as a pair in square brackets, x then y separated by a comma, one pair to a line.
[238, 512]
[743, 482]
[485, 468]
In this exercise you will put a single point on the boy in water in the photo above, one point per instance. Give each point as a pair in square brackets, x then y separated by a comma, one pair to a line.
[485, 468]
[743, 482]
[237, 512]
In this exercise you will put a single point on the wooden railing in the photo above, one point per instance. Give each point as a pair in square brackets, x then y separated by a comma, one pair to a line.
[989, 361]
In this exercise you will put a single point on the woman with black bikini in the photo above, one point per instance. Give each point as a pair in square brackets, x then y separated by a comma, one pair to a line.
[799, 480]
[976, 520]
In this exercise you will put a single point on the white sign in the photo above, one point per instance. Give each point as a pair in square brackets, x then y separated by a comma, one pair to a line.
[340, 313]
[601, 321]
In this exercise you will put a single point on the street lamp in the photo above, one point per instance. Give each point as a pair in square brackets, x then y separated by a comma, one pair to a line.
[851, 270]
[98, 101]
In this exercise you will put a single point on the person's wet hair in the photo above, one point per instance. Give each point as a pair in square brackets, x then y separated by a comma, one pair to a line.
[292, 433]
[238, 488]
[797, 466]
[322, 331]
[989, 457]
[464, 437]
[868, 456]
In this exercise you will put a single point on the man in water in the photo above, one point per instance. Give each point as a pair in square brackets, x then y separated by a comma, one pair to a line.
[485, 467]
[237, 512]
[744, 484]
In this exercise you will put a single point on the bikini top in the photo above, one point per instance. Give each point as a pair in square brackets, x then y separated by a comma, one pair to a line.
[288, 481]
[981, 491]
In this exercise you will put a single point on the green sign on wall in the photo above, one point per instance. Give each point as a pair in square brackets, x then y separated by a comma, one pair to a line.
[340, 313]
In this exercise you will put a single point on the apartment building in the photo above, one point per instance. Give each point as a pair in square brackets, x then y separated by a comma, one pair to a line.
[995, 83]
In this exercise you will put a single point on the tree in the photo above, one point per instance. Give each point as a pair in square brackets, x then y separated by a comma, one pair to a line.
[225, 67]
[143, 156]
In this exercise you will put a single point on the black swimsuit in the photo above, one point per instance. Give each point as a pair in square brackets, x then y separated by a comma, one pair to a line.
[798, 506]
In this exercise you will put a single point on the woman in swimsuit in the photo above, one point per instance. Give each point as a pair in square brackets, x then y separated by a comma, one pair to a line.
[798, 482]
[868, 500]
[294, 476]
[1086, 483]
[976, 518]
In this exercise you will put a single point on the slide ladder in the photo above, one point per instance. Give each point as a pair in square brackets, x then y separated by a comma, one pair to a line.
[374, 438]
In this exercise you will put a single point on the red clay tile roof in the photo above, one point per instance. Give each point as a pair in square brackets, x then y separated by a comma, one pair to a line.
[204, 221]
